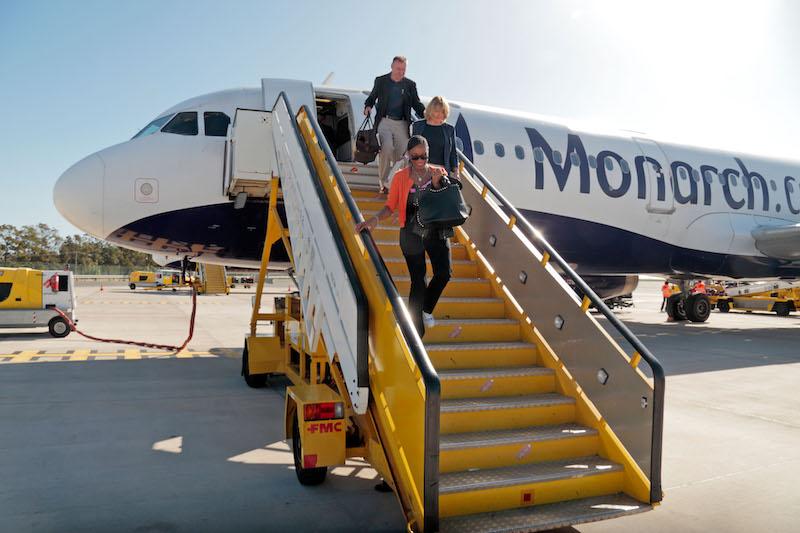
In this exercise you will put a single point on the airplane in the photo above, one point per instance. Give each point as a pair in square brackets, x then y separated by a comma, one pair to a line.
[615, 204]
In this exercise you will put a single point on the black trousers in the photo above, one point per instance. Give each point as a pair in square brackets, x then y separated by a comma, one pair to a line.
[423, 297]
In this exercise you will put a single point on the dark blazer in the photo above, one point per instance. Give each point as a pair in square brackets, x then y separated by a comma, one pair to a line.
[450, 155]
[380, 92]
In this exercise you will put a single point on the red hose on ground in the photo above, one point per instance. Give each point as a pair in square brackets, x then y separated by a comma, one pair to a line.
[175, 349]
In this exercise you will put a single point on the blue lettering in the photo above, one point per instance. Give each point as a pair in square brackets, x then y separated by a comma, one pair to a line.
[574, 144]
[790, 185]
[679, 196]
[602, 178]
[641, 176]
[726, 188]
[704, 170]
[753, 178]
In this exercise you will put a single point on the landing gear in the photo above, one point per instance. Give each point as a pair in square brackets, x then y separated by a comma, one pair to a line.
[676, 307]
[255, 381]
[685, 306]
[698, 308]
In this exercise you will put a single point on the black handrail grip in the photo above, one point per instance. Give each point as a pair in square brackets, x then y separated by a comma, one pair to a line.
[418, 352]
[659, 380]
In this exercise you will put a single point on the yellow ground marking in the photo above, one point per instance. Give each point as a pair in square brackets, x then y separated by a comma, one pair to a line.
[84, 355]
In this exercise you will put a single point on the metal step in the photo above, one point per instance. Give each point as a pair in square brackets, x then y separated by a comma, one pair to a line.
[494, 373]
[545, 517]
[464, 405]
[500, 437]
[493, 478]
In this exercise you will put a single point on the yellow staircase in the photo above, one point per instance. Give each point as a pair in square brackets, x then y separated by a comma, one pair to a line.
[215, 279]
[516, 411]
[511, 434]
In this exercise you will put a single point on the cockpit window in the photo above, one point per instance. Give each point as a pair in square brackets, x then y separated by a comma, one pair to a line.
[216, 123]
[184, 123]
[153, 127]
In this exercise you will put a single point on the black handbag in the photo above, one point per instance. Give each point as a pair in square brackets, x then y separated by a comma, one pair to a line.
[367, 146]
[442, 208]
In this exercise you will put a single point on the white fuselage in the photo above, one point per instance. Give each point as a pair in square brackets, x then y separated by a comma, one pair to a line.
[612, 203]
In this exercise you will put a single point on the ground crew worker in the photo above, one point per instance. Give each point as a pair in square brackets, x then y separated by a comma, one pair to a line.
[699, 287]
[666, 292]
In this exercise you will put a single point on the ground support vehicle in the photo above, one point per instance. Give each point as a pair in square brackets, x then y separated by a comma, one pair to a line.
[29, 299]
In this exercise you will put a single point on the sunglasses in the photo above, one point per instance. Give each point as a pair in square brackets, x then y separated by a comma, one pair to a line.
[418, 157]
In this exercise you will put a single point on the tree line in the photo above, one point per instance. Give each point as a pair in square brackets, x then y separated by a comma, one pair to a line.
[41, 244]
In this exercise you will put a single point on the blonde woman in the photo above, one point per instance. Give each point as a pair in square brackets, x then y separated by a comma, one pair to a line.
[440, 135]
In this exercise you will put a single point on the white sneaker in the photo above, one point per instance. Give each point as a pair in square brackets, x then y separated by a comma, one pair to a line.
[428, 320]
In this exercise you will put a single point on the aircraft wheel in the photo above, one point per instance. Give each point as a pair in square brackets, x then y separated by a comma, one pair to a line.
[58, 327]
[676, 307]
[132, 286]
[698, 308]
[306, 476]
[781, 309]
[255, 381]
[724, 306]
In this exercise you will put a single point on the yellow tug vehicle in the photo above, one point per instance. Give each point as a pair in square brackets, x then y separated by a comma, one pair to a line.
[29, 299]
[779, 297]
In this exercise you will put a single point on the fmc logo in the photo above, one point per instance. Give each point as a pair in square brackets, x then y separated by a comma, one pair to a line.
[325, 427]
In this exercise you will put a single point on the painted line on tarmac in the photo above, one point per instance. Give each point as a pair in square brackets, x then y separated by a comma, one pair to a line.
[74, 356]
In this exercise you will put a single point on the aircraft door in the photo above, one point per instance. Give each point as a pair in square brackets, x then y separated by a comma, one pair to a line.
[660, 203]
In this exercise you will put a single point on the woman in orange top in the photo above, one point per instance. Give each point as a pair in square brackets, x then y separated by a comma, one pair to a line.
[406, 182]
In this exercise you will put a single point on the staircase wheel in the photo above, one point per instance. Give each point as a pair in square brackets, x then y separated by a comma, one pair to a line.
[255, 381]
[698, 308]
[306, 476]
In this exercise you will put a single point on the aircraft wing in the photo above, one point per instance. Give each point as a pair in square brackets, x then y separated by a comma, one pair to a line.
[780, 242]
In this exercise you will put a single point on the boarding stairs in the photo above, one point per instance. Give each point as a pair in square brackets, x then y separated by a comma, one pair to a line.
[214, 279]
[516, 411]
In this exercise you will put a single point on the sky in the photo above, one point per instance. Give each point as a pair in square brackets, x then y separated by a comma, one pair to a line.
[76, 77]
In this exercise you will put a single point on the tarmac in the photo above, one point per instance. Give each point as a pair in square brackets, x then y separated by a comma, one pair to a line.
[106, 437]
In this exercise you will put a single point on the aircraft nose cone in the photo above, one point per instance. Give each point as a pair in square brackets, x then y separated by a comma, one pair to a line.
[78, 195]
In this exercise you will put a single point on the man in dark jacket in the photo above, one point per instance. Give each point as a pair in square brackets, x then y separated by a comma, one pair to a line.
[396, 96]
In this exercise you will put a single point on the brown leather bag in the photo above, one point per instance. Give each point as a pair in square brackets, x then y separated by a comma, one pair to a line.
[367, 145]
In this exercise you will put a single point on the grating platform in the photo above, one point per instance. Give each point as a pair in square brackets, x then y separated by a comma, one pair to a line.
[491, 478]
[544, 517]
[493, 373]
[458, 441]
[461, 405]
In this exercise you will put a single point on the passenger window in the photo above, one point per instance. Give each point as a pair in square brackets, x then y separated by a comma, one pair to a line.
[216, 123]
[695, 175]
[592, 161]
[789, 187]
[63, 283]
[499, 150]
[756, 184]
[478, 147]
[557, 159]
[682, 173]
[538, 155]
[733, 180]
[773, 185]
[709, 177]
[183, 124]
[459, 144]
[575, 159]
[519, 151]
[609, 163]
[626, 169]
